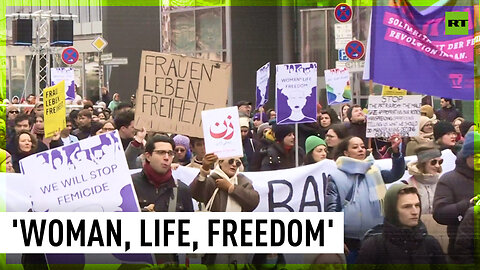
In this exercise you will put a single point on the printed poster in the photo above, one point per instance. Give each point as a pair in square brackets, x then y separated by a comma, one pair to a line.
[64, 74]
[337, 81]
[263, 76]
[221, 129]
[296, 93]
[54, 109]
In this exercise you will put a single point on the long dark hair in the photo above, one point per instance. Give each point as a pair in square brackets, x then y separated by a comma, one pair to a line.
[342, 147]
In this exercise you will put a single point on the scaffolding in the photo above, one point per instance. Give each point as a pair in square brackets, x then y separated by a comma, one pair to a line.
[41, 48]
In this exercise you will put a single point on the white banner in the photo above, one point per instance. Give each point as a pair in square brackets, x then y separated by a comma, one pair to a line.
[89, 176]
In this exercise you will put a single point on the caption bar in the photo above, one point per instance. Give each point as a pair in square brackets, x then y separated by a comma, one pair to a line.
[171, 232]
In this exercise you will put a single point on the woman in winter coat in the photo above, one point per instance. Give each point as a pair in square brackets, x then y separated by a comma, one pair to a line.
[425, 127]
[357, 188]
[402, 238]
[425, 173]
[224, 190]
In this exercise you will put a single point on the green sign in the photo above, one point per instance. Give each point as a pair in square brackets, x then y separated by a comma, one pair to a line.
[456, 23]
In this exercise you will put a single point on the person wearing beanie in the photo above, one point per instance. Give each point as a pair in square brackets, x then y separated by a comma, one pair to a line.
[448, 112]
[425, 127]
[455, 191]
[427, 110]
[402, 238]
[183, 155]
[445, 136]
[357, 188]
[316, 150]
[259, 118]
[425, 173]
[281, 154]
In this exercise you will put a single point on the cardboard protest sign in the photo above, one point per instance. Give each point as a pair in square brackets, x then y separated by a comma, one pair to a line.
[173, 90]
[54, 109]
[393, 91]
[64, 74]
[337, 81]
[389, 115]
[296, 93]
[88, 176]
[263, 75]
[221, 130]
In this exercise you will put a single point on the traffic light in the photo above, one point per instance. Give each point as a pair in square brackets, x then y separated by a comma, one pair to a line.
[61, 33]
[22, 32]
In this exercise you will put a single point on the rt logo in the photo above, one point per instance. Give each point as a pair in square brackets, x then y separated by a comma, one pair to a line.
[456, 23]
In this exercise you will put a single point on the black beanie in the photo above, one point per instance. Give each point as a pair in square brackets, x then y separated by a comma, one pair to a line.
[441, 128]
[281, 131]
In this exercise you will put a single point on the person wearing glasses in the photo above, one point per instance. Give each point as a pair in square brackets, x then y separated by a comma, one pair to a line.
[425, 173]
[156, 189]
[425, 127]
[182, 150]
[12, 113]
[224, 189]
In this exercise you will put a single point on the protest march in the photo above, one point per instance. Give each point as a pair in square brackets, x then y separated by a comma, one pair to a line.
[372, 159]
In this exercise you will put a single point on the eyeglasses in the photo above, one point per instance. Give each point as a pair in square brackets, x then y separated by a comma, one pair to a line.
[180, 150]
[108, 129]
[170, 153]
[237, 162]
[433, 162]
[12, 112]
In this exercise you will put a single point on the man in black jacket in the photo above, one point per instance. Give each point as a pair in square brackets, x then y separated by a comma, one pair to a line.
[402, 238]
[455, 191]
[156, 189]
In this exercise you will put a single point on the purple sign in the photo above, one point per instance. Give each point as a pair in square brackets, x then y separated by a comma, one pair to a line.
[263, 75]
[409, 50]
[296, 93]
[59, 74]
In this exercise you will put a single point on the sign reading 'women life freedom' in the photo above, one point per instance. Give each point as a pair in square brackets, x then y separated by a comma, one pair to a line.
[296, 93]
[173, 90]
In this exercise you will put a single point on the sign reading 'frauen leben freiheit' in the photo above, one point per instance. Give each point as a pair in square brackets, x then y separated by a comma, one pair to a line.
[173, 90]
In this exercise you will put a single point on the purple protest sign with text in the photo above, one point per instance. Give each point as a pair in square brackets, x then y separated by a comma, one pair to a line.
[296, 93]
[409, 50]
[263, 76]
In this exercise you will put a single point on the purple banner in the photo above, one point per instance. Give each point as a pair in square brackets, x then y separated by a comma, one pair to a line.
[296, 93]
[409, 50]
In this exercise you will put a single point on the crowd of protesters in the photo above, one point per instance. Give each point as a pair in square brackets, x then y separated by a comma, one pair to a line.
[381, 226]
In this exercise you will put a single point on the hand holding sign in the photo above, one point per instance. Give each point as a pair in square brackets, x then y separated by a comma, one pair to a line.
[208, 161]
[395, 140]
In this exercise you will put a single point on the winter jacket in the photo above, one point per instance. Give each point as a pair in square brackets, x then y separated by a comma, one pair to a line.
[160, 197]
[357, 130]
[452, 199]
[425, 184]
[448, 114]
[465, 241]
[339, 194]
[416, 141]
[276, 158]
[243, 193]
[390, 244]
